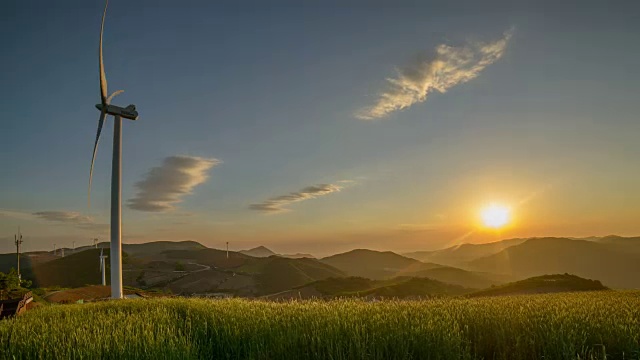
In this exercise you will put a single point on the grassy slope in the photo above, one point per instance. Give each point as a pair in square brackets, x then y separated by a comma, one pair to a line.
[79, 269]
[211, 257]
[543, 284]
[558, 326]
[278, 274]
[459, 277]
[399, 287]
[415, 287]
[157, 247]
[8, 261]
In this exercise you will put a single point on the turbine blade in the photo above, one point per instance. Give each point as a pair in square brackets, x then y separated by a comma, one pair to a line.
[115, 93]
[103, 77]
[103, 115]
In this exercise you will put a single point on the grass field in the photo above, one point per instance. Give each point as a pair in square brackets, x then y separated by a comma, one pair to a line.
[554, 326]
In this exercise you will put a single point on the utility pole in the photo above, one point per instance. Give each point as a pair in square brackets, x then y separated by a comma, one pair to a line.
[227, 249]
[18, 240]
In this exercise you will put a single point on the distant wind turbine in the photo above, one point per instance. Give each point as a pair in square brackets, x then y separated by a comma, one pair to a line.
[103, 267]
[118, 113]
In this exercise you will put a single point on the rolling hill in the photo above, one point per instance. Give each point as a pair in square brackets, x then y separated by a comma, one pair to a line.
[158, 247]
[455, 276]
[259, 251]
[298, 256]
[375, 264]
[459, 255]
[624, 244]
[614, 265]
[75, 270]
[210, 257]
[274, 274]
[386, 265]
[415, 287]
[543, 284]
[257, 276]
[400, 287]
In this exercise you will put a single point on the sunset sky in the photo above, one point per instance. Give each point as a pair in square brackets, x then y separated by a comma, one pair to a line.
[322, 128]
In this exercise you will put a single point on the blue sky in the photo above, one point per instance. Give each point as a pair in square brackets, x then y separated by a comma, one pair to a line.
[272, 92]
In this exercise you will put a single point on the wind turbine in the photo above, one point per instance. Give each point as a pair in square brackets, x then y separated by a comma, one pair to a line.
[18, 240]
[103, 268]
[118, 113]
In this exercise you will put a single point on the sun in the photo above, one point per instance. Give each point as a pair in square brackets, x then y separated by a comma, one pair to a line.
[495, 216]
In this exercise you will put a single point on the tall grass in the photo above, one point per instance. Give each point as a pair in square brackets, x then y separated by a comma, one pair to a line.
[561, 326]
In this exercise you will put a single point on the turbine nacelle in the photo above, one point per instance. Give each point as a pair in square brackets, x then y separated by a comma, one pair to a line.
[128, 112]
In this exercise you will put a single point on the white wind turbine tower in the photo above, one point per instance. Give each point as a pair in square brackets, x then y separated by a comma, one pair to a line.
[116, 180]
[103, 267]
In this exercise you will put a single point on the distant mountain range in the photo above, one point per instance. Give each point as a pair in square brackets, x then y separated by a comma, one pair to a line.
[461, 254]
[411, 287]
[378, 265]
[189, 267]
[616, 263]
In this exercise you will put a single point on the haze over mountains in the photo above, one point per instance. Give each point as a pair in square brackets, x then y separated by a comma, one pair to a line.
[188, 267]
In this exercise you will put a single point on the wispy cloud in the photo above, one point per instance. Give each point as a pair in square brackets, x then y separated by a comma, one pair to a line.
[165, 185]
[277, 204]
[71, 218]
[447, 67]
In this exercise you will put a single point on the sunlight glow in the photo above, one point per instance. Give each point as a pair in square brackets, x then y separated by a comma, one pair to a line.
[495, 216]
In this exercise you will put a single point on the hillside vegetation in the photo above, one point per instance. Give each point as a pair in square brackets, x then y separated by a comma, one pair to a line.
[158, 247]
[543, 284]
[400, 287]
[595, 325]
[78, 269]
[279, 274]
[414, 287]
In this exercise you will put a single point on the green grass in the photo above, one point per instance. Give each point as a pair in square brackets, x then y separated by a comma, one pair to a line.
[552, 326]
